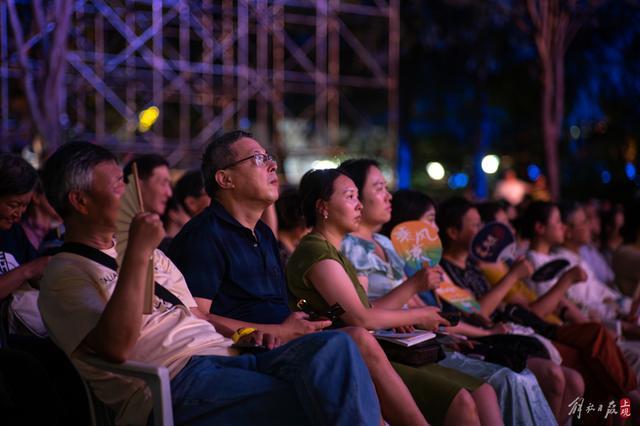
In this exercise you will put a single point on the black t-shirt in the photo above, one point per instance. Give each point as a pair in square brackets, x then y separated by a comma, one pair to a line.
[237, 269]
[470, 278]
[15, 249]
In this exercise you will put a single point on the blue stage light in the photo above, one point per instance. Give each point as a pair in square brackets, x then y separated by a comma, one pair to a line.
[534, 172]
[630, 171]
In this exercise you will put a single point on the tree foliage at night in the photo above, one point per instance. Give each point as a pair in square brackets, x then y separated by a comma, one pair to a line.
[472, 83]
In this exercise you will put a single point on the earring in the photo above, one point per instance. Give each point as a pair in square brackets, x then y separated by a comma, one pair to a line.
[325, 215]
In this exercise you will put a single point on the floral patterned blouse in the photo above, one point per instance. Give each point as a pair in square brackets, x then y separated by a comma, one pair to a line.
[383, 275]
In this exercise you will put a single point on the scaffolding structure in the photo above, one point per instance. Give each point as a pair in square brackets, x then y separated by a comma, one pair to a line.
[321, 66]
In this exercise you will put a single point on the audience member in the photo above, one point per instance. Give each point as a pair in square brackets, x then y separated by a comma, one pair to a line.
[173, 219]
[458, 222]
[40, 219]
[190, 193]
[155, 181]
[590, 251]
[291, 224]
[520, 293]
[189, 198]
[615, 231]
[20, 266]
[625, 260]
[49, 373]
[406, 205]
[598, 301]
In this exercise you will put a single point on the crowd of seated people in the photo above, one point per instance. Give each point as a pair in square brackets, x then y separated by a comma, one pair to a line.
[234, 253]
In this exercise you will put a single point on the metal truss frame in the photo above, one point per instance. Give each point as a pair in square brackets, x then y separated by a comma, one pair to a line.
[215, 65]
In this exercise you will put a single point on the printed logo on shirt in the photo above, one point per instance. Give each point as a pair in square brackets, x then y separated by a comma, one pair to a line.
[7, 262]
[109, 278]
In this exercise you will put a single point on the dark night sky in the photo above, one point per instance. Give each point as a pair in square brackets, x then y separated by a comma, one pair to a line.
[470, 82]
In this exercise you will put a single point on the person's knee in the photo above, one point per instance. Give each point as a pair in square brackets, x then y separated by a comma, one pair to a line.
[484, 393]
[555, 379]
[574, 381]
[463, 406]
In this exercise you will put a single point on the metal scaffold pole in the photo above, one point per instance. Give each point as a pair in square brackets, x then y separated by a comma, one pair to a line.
[330, 67]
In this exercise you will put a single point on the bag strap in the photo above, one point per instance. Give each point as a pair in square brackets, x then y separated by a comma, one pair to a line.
[90, 253]
[107, 261]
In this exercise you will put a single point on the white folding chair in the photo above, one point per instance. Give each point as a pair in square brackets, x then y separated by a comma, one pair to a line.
[157, 378]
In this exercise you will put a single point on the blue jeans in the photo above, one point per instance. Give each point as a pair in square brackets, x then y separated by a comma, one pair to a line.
[317, 379]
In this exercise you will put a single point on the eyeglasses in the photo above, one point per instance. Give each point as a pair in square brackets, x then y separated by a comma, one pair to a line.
[260, 160]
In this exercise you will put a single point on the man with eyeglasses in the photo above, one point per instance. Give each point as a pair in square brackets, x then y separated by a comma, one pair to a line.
[228, 255]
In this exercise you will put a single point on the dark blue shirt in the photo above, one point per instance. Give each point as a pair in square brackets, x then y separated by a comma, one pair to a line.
[15, 249]
[223, 261]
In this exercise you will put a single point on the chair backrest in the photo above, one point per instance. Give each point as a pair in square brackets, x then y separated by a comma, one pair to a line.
[157, 378]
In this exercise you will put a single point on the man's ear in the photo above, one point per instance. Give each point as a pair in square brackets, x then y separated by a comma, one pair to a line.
[78, 200]
[190, 203]
[452, 233]
[539, 228]
[224, 180]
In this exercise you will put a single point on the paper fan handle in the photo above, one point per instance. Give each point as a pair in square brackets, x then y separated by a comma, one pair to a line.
[136, 182]
[149, 285]
[435, 293]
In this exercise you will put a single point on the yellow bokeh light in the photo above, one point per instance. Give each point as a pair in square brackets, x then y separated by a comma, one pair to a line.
[147, 117]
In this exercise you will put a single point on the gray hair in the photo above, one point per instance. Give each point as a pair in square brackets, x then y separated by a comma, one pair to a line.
[70, 168]
[217, 156]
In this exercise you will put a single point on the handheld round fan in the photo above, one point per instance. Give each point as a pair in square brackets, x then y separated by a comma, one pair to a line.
[417, 243]
[130, 206]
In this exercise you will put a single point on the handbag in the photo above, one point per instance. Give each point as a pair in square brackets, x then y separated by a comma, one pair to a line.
[415, 356]
[520, 315]
[509, 350]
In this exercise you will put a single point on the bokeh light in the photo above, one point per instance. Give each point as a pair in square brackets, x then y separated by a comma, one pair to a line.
[435, 170]
[490, 164]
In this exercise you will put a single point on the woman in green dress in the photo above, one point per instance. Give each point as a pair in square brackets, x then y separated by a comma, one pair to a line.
[319, 273]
